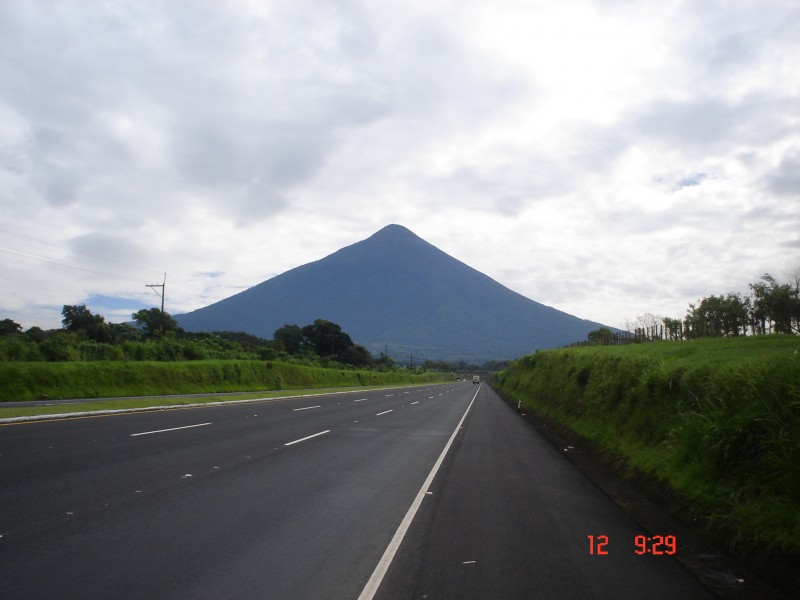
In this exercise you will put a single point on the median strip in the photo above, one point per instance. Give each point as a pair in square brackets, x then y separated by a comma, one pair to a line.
[170, 429]
[308, 437]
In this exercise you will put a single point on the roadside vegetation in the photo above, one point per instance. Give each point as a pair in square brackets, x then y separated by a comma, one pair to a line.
[155, 336]
[42, 380]
[715, 420]
[770, 307]
[89, 358]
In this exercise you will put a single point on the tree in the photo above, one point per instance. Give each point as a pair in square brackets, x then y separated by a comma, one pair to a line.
[36, 334]
[247, 341]
[601, 337]
[384, 362]
[125, 332]
[154, 322]
[776, 305]
[357, 356]
[673, 328]
[7, 327]
[79, 318]
[645, 326]
[326, 338]
[291, 336]
[718, 316]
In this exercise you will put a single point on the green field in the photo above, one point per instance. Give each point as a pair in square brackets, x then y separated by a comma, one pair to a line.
[42, 380]
[716, 421]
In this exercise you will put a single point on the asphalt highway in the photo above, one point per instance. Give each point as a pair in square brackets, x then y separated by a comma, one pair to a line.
[314, 498]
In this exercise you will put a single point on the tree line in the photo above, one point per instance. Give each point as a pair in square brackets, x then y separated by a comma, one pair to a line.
[770, 307]
[153, 335]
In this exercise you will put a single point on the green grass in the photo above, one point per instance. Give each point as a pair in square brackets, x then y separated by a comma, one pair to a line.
[41, 380]
[717, 420]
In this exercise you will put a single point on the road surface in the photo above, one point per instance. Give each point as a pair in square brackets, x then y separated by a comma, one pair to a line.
[301, 498]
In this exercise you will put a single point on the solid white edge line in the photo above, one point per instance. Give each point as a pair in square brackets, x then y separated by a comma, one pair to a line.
[386, 560]
[170, 429]
[308, 437]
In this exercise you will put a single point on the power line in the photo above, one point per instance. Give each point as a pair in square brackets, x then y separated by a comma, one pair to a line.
[76, 267]
[63, 264]
[39, 241]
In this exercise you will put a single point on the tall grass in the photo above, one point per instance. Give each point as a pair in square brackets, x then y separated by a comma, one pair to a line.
[37, 380]
[717, 420]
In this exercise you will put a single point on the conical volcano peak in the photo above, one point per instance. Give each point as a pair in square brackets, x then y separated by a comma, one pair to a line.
[394, 231]
[395, 290]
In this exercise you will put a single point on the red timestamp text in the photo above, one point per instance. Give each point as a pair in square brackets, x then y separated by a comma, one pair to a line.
[598, 544]
[655, 545]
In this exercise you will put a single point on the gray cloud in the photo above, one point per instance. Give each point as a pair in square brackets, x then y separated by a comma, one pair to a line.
[785, 179]
[710, 125]
[112, 253]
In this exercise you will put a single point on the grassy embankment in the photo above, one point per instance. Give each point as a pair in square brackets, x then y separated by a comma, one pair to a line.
[38, 380]
[715, 421]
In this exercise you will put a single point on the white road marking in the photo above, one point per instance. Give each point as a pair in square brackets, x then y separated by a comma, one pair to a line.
[389, 395]
[417, 402]
[305, 408]
[383, 413]
[308, 437]
[386, 560]
[359, 400]
[171, 429]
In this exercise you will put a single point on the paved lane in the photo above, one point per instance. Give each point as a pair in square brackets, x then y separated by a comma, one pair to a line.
[300, 498]
[226, 502]
[508, 517]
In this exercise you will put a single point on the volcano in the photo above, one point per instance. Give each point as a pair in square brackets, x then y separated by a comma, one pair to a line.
[394, 291]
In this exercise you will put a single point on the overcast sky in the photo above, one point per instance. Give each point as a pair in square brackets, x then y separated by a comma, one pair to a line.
[606, 157]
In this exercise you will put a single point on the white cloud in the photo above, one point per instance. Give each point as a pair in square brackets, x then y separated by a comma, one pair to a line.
[609, 158]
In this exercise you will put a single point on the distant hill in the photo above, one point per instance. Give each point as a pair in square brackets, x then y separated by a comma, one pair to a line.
[395, 290]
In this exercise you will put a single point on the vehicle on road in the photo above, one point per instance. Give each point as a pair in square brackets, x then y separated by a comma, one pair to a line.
[476, 379]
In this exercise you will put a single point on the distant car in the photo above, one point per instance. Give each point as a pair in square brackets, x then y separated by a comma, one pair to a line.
[476, 379]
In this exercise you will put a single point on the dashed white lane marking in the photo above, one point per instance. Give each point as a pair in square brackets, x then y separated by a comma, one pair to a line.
[383, 564]
[417, 402]
[305, 408]
[170, 429]
[383, 413]
[360, 400]
[308, 437]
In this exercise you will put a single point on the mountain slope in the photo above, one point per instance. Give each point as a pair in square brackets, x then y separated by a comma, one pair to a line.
[395, 289]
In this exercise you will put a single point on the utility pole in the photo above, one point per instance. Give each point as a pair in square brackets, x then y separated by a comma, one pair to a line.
[162, 293]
